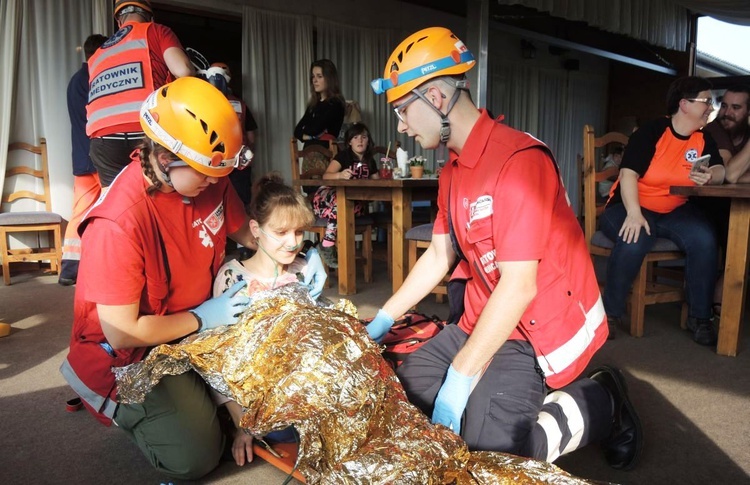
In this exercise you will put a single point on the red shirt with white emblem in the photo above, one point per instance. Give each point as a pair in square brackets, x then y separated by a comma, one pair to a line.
[162, 251]
[194, 236]
[507, 203]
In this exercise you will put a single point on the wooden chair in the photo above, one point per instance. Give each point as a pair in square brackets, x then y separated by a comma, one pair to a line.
[419, 238]
[29, 221]
[311, 162]
[579, 167]
[305, 165]
[646, 289]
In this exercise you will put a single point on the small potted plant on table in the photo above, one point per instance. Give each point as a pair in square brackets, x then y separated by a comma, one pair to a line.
[416, 166]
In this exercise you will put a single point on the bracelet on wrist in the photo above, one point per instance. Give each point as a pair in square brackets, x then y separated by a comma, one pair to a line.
[200, 321]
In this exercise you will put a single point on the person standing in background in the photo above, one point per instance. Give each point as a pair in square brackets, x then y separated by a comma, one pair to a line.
[325, 110]
[220, 76]
[140, 57]
[86, 188]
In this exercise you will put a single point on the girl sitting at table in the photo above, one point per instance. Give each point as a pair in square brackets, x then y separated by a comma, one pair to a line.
[278, 216]
[356, 162]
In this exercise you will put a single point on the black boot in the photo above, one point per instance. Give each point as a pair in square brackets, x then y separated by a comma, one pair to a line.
[703, 331]
[612, 324]
[623, 445]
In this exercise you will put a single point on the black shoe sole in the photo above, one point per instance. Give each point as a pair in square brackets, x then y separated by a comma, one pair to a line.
[622, 389]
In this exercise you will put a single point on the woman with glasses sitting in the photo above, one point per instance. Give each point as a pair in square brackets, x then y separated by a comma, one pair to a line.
[640, 209]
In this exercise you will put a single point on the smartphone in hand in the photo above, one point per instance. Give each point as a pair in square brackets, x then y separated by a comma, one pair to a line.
[700, 162]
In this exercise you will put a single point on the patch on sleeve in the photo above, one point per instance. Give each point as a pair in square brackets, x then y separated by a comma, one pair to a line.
[215, 221]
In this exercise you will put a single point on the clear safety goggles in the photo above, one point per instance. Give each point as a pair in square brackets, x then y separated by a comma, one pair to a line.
[399, 110]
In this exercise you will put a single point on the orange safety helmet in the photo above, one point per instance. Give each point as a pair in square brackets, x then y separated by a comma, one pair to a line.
[195, 121]
[144, 5]
[424, 55]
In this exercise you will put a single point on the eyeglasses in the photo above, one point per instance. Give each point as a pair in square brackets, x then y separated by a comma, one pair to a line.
[707, 101]
[399, 110]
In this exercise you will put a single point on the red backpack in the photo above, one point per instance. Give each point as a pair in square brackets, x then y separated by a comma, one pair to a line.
[408, 334]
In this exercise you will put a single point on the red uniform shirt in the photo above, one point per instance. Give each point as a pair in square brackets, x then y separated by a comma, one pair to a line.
[194, 236]
[507, 203]
[123, 262]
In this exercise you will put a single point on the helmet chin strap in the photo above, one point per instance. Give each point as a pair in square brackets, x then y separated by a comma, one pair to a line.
[165, 175]
[445, 124]
[167, 180]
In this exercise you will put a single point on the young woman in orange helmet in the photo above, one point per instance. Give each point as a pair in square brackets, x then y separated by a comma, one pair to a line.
[152, 247]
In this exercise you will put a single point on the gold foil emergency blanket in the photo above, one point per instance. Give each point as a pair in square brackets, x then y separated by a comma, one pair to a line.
[289, 362]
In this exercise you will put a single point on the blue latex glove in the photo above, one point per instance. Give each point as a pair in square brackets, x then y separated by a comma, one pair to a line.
[222, 310]
[379, 326]
[315, 276]
[451, 400]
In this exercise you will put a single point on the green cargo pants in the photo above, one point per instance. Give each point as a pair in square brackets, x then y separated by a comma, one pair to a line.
[176, 427]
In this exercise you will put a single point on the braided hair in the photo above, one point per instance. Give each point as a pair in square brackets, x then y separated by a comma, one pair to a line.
[144, 153]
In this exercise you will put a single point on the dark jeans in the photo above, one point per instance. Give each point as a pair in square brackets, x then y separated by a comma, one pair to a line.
[717, 210]
[689, 228]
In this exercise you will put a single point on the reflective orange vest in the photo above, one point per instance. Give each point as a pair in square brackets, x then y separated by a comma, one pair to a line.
[120, 79]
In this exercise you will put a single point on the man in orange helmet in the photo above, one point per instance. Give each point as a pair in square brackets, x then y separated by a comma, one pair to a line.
[140, 57]
[504, 378]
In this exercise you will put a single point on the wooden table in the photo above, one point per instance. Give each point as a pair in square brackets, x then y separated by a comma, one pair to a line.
[400, 193]
[735, 269]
